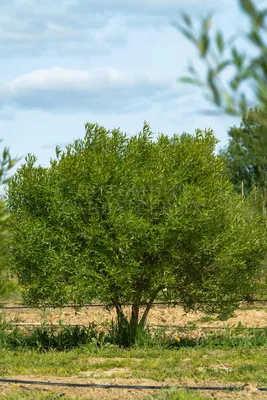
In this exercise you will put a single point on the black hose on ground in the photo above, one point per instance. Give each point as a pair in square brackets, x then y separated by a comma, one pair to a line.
[112, 386]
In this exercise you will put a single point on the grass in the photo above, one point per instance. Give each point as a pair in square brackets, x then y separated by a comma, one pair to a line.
[177, 395]
[34, 395]
[199, 364]
[206, 318]
[172, 394]
[253, 307]
[229, 357]
[229, 354]
[174, 366]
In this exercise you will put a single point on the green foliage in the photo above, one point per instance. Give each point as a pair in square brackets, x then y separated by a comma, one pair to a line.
[248, 72]
[246, 153]
[46, 338]
[246, 166]
[64, 338]
[118, 219]
[175, 394]
[197, 364]
[6, 164]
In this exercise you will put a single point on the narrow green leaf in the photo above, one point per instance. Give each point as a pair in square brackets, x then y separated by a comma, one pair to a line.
[220, 42]
[187, 19]
[186, 33]
[191, 81]
[248, 6]
[213, 87]
[234, 83]
[255, 38]
[221, 66]
[203, 45]
[243, 103]
[192, 70]
[206, 23]
[230, 106]
[238, 58]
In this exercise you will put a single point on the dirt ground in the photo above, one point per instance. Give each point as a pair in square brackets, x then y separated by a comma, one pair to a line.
[249, 391]
[159, 315]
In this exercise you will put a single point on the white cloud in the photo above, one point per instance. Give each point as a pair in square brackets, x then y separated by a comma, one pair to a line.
[31, 27]
[102, 90]
[150, 7]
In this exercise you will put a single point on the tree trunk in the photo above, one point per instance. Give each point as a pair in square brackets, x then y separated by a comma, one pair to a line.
[134, 320]
[127, 329]
[122, 330]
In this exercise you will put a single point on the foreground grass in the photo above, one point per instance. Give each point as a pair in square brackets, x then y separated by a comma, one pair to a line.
[177, 395]
[200, 364]
[163, 395]
[34, 395]
[227, 357]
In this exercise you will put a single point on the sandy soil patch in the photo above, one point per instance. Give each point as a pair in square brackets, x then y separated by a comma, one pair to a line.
[250, 391]
[159, 315]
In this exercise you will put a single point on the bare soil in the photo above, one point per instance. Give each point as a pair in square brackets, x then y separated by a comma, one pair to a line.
[249, 392]
[159, 316]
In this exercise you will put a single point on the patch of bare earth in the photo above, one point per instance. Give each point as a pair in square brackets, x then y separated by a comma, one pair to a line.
[249, 392]
[159, 315]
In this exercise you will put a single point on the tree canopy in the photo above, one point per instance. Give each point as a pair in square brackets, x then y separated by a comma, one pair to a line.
[117, 219]
[246, 153]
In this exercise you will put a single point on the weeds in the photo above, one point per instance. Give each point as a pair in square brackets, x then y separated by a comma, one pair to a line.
[35, 395]
[174, 394]
[65, 337]
[47, 337]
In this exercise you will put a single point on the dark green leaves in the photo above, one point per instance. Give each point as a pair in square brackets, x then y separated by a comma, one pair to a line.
[238, 58]
[117, 219]
[215, 92]
[248, 6]
[220, 42]
[247, 152]
[203, 45]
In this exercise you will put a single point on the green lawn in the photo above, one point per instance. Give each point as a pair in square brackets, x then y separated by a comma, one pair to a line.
[228, 366]
[199, 365]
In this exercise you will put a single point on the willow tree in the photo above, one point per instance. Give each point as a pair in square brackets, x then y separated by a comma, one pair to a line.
[117, 219]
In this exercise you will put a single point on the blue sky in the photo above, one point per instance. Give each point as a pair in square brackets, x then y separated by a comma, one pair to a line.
[114, 62]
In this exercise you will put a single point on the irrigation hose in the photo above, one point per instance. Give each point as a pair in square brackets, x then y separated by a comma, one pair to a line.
[140, 387]
[174, 303]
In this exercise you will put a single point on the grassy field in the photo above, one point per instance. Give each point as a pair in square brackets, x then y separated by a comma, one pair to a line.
[198, 364]
[227, 357]
[150, 366]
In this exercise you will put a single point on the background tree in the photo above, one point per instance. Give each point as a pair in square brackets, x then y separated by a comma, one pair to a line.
[246, 153]
[247, 85]
[118, 219]
[6, 285]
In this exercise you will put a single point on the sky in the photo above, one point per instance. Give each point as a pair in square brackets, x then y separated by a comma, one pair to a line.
[112, 62]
